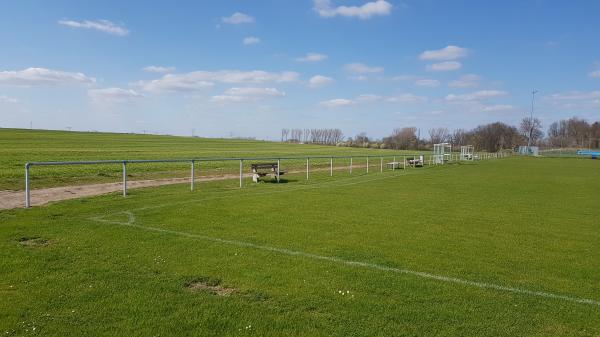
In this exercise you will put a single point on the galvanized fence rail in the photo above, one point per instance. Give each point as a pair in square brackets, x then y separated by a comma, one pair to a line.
[397, 161]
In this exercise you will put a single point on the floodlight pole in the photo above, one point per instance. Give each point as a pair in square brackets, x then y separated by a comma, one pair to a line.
[531, 119]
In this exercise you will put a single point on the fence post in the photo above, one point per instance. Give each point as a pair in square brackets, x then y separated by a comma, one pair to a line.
[331, 167]
[367, 164]
[278, 162]
[404, 163]
[27, 190]
[192, 177]
[350, 165]
[307, 167]
[381, 165]
[124, 178]
[241, 172]
[394, 164]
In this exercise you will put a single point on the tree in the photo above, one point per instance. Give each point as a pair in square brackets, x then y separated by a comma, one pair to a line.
[284, 134]
[459, 137]
[361, 140]
[438, 135]
[403, 138]
[496, 136]
[532, 130]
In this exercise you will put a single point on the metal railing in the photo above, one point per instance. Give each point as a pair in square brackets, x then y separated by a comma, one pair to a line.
[428, 160]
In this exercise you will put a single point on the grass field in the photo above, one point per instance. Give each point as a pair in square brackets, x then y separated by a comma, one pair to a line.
[497, 248]
[20, 146]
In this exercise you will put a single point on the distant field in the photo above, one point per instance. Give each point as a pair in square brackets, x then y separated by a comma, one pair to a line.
[20, 146]
[493, 248]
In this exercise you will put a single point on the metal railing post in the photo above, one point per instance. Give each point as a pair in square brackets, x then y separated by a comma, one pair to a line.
[381, 165]
[307, 167]
[367, 164]
[404, 163]
[27, 190]
[124, 178]
[331, 167]
[241, 172]
[192, 177]
[278, 165]
[350, 165]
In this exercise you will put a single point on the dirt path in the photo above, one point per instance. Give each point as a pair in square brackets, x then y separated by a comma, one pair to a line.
[16, 199]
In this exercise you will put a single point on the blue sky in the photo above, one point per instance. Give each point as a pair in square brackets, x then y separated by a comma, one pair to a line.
[250, 68]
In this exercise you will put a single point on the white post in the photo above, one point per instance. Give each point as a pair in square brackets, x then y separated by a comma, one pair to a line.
[350, 165]
[394, 164]
[381, 165]
[307, 167]
[241, 172]
[331, 167]
[192, 177]
[404, 163]
[27, 190]
[124, 178]
[278, 162]
[367, 164]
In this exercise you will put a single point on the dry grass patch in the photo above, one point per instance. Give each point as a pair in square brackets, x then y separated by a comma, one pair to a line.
[210, 285]
[34, 241]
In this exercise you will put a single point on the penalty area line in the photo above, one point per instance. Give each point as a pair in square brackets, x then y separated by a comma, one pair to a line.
[447, 279]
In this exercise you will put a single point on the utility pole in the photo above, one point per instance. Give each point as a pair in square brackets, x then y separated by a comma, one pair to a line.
[531, 119]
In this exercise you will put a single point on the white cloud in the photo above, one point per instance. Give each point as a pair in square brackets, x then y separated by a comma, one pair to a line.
[361, 68]
[113, 95]
[238, 18]
[444, 66]
[251, 40]
[476, 96]
[444, 54]
[247, 94]
[318, 81]
[366, 11]
[159, 69]
[498, 108]
[198, 80]
[6, 99]
[104, 26]
[336, 103]
[576, 95]
[407, 98]
[466, 81]
[595, 74]
[312, 57]
[370, 98]
[431, 83]
[42, 76]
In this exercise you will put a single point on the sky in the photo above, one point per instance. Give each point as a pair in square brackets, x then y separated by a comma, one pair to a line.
[250, 68]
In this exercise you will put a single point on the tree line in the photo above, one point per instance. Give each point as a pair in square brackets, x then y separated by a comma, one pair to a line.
[567, 133]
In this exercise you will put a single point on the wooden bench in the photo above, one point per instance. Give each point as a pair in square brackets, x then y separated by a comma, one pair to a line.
[262, 169]
[394, 165]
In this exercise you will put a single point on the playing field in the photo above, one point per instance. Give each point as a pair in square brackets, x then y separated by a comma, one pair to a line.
[507, 247]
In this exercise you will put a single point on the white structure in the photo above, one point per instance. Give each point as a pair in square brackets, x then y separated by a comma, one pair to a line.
[442, 153]
[529, 150]
[466, 152]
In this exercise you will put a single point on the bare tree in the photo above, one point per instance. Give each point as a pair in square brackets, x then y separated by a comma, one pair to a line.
[531, 129]
[438, 135]
[284, 134]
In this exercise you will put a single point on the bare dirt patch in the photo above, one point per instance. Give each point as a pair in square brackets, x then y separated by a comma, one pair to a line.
[34, 241]
[212, 286]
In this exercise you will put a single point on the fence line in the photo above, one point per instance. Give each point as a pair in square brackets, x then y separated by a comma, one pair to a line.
[427, 160]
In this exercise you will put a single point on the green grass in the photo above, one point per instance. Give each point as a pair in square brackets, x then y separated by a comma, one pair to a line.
[520, 222]
[20, 146]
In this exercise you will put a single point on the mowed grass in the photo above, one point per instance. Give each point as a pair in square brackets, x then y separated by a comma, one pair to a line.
[20, 146]
[113, 266]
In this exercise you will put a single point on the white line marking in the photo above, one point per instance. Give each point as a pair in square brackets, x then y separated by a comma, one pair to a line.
[483, 285]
